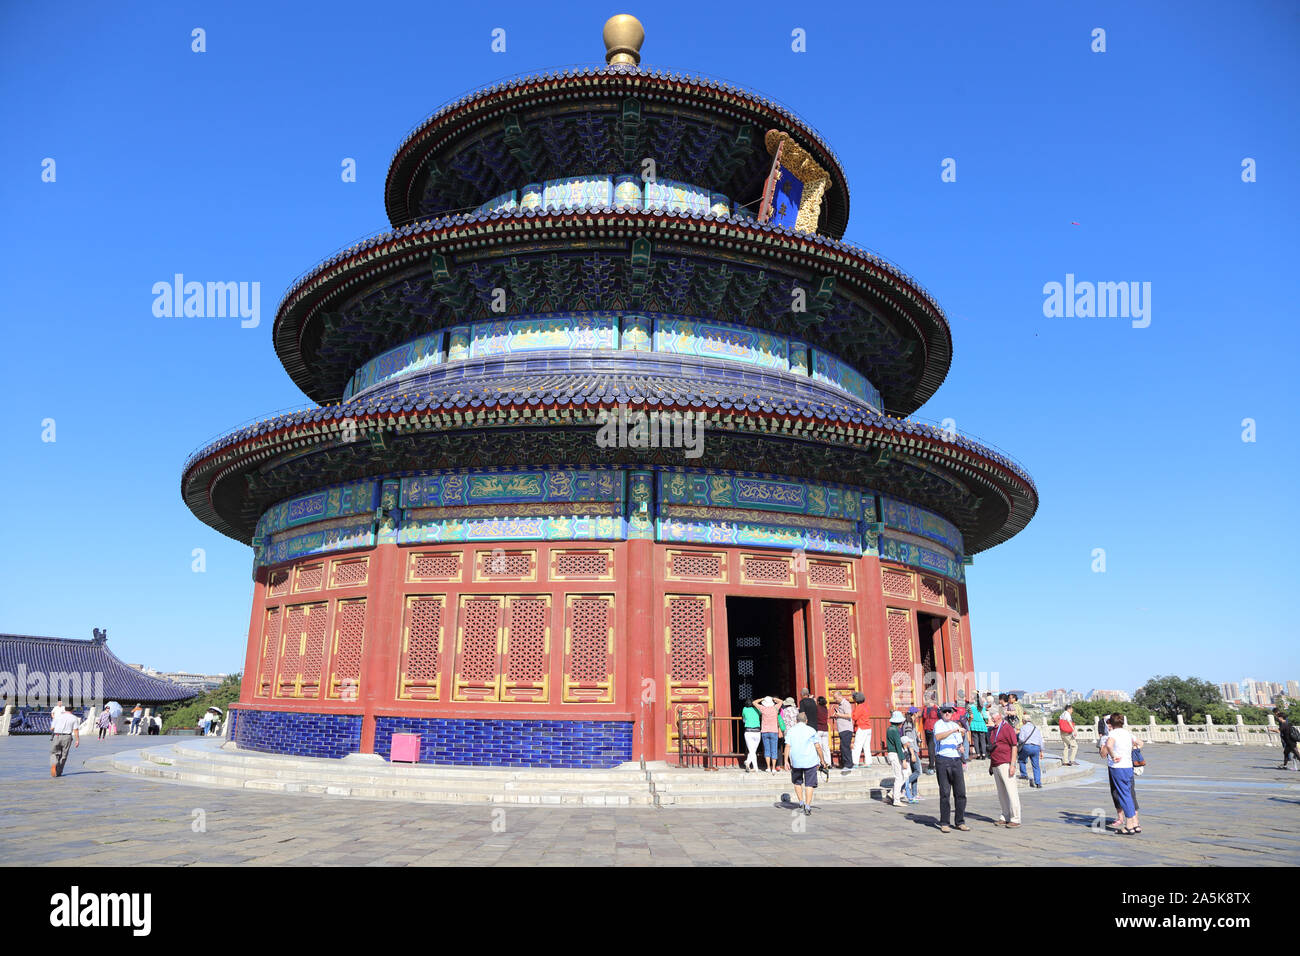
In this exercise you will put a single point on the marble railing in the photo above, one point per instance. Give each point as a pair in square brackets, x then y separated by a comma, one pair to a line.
[1239, 733]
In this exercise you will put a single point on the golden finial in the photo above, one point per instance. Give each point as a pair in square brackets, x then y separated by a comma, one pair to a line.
[623, 38]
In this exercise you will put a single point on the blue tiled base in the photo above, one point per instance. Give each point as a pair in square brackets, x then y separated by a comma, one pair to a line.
[573, 744]
[302, 735]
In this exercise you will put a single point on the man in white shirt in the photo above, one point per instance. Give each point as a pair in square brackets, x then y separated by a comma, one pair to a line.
[65, 728]
[1068, 741]
[803, 754]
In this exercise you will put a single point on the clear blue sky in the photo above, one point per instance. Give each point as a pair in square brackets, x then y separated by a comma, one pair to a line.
[225, 166]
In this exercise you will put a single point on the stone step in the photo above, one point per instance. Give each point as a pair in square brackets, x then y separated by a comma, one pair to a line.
[429, 791]
[364, 777]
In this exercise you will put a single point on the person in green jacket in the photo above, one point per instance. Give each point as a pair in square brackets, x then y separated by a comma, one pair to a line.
[753, 722]
[979, 728]
[894, 754]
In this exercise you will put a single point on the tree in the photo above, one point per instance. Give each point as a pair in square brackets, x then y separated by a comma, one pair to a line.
[1171, 696]
[1086, 712]
[184, 715]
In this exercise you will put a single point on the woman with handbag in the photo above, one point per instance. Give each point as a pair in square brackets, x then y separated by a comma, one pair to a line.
[1118, 750]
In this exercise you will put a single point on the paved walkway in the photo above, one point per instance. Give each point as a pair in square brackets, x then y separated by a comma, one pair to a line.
[1200, 806]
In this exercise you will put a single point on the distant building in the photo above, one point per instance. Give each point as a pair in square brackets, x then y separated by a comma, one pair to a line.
[1293, 688]
[198, 682]
[1230, 691]
[1118, 696]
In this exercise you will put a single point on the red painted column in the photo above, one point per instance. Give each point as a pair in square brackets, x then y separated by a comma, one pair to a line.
[645, 701]
[253, 655]
[383, 638]
[873, 639]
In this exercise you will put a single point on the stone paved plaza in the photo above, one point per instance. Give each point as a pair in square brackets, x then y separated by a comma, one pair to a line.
[1201, 805]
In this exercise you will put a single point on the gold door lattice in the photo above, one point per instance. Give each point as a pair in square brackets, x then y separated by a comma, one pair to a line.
[902, 660]
[302, 651]
[478, 648]
[840, 644]
[526, 663]
[688, 651]
[589, 648]
[345, 657]
[422, 633]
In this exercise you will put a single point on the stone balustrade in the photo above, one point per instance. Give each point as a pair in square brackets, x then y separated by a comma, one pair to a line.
[1239, 733]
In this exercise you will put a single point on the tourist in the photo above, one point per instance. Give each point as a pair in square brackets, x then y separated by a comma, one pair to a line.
[104, 722]
[136, 714]
[770, 728]
[912, 764]
[788, 714]
[979, 729]
[1002, 757]
[1031, 748]
[929, 718]
[894, 754]
[808, 706]
[823, 731]
[1118, 750]
[58, 709]
[861, 731]
[949, 769]
[205, 722]
[844, 727]
[962, 716]
[1069, 745]
[1017, 709]
[155, 725]
[1289, 734]
[1101, 750]
[753, 722]
[804, 755]
[65, 733]
[1103, 728]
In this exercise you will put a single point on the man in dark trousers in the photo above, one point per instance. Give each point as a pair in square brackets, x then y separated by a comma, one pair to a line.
[952, 778]
[1290, 737]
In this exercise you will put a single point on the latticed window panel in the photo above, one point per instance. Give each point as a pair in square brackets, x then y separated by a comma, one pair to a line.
[830, 574]
[955, 642]
[302, 651]
[526, 666]
[840, 645]
[766, 570]
[899, 584]
[502, 565]
[345, 653]
[478, 648]
[589, 648]
[898, 631]
[952, 597]
[931, 590]
[349, 573]
[695, 566]
[309, 577]
[270, 647]
[749, 641]
[745, 668]
[582, 565]
[277, 583]
[433, 566]
[423, 626]
[688, 648]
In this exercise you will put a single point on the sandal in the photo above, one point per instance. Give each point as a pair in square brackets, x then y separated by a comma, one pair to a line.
[1136, 830]
[1124, 832]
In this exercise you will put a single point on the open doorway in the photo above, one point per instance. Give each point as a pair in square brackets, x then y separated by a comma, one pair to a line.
[929, 629]
[765, 645]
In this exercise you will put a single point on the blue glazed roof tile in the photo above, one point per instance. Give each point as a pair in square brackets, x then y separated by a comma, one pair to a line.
[56, 655]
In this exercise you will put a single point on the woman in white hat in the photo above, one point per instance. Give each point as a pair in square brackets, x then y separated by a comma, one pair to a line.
[894, 753]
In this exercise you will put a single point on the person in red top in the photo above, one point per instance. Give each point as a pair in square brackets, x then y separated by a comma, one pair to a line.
[1067, 737]
[1002, 764]
[929, 717]
[861, 731]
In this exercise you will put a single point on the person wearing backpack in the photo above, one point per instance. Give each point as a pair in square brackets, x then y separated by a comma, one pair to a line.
[1289, 734]
[1068, 742]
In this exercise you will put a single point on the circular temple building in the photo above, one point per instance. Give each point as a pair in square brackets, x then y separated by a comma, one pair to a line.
[611, 436]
